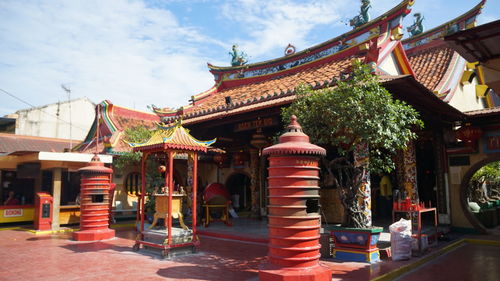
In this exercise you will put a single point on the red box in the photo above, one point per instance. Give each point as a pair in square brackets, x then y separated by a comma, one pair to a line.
[43, 211]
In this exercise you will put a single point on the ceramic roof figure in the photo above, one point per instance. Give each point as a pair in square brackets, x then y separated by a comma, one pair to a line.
[363, 16]
[238, 57]
[417, 27]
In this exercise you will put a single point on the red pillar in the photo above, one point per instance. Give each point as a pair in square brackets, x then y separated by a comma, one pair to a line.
[294, 220]
[94, 202]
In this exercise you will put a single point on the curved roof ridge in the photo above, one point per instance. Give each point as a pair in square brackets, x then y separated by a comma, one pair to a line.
[348, 35]
[466, 20]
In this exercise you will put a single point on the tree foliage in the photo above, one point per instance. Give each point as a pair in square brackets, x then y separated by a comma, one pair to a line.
[154, 179]
[357, 110]
[488, 173]
[136, 134]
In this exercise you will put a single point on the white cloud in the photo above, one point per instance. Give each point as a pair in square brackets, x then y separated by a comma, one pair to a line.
[119, 50]
[273, 24]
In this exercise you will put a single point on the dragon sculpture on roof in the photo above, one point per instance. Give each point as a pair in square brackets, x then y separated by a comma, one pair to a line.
[363, 16]
[417, 27]
[238, 57]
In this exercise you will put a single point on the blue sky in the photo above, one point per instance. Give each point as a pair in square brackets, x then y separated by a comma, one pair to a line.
[136, 53]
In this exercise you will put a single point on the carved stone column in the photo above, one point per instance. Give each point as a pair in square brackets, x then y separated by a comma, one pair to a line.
[361, 159]
[410, 172]
[255, 180]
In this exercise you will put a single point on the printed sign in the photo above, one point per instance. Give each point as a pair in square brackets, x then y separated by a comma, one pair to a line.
[10, 213]
[259, 123]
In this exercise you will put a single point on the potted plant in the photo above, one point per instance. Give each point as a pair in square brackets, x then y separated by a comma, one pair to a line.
[365, 126]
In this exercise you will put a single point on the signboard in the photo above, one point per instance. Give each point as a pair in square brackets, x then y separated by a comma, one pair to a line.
[254, 124]
[10, 213]
[492, 142]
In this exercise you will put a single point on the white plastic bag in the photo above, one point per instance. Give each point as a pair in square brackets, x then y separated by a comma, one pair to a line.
[401, 240]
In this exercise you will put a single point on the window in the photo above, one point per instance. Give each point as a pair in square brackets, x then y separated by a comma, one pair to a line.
[133, 183]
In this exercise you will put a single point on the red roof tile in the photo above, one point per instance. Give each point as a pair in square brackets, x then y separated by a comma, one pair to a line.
[113, 121]
[268, 92]
[431, 65]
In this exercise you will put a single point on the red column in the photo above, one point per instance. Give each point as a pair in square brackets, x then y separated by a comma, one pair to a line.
[94, 202]
[294, 220]
[194, 192]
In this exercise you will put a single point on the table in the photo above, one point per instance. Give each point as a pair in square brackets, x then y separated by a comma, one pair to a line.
[225, 213]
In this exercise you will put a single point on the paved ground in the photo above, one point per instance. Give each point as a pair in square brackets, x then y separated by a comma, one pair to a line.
[467, 262]
[27, 256]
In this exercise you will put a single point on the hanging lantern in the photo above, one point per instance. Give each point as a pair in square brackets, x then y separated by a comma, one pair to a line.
[220, 159]
[162, 169]
[469, 134]
[259, 140]
[238, 158]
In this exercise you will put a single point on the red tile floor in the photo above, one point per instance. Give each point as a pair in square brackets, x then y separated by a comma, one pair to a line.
[467, 262]
[27, 256]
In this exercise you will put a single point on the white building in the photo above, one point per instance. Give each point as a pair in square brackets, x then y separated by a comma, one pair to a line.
[64, 120]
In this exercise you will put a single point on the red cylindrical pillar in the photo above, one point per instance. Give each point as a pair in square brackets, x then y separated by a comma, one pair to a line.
[94, 202]
[294, 220]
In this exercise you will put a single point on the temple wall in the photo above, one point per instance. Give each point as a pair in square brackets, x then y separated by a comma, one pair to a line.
[121, 195]
[389, 66]
[465, 99]
[456, 176]
[207, 173]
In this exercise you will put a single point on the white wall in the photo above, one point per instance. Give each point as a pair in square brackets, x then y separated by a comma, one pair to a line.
[465, 99]
[53, 120]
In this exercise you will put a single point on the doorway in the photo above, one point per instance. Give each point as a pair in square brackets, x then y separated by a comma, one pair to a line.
[238, 185]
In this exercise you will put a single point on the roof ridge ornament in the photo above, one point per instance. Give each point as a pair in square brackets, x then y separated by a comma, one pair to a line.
[363, 16]
[238, 57]
[417, 27]
[290, 50]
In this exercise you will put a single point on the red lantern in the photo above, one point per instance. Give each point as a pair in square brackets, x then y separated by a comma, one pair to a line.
[469, 134]
[162, 169]
[239, 158]
[220, 159]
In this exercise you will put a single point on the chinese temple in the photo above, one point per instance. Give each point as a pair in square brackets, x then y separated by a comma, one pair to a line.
[242, 109]
[107, 133]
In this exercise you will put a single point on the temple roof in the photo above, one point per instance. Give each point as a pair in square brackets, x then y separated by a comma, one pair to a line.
[270, 92]
[113, 120]
[174, 137]
[435, 64]
[271, 83]
[432, 64]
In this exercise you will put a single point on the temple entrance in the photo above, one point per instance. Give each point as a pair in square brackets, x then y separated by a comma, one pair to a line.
[426, 172]
[238, 185]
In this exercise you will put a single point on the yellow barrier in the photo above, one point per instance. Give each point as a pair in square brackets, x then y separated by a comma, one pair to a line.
[16, 213]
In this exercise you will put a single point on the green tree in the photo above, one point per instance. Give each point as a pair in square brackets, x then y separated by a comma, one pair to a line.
[154, 179]
[135, 134]
[357, 110]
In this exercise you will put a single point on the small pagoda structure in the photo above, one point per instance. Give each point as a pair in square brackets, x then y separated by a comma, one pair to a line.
[173, 142]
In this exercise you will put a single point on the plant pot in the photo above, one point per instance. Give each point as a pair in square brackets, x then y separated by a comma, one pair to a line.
[356, 244]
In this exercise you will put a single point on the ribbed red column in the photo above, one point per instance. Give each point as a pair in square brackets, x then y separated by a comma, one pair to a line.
[94, 202]
[294, 220]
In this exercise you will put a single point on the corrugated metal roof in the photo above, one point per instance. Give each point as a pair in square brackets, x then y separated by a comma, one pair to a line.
[19, 144]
